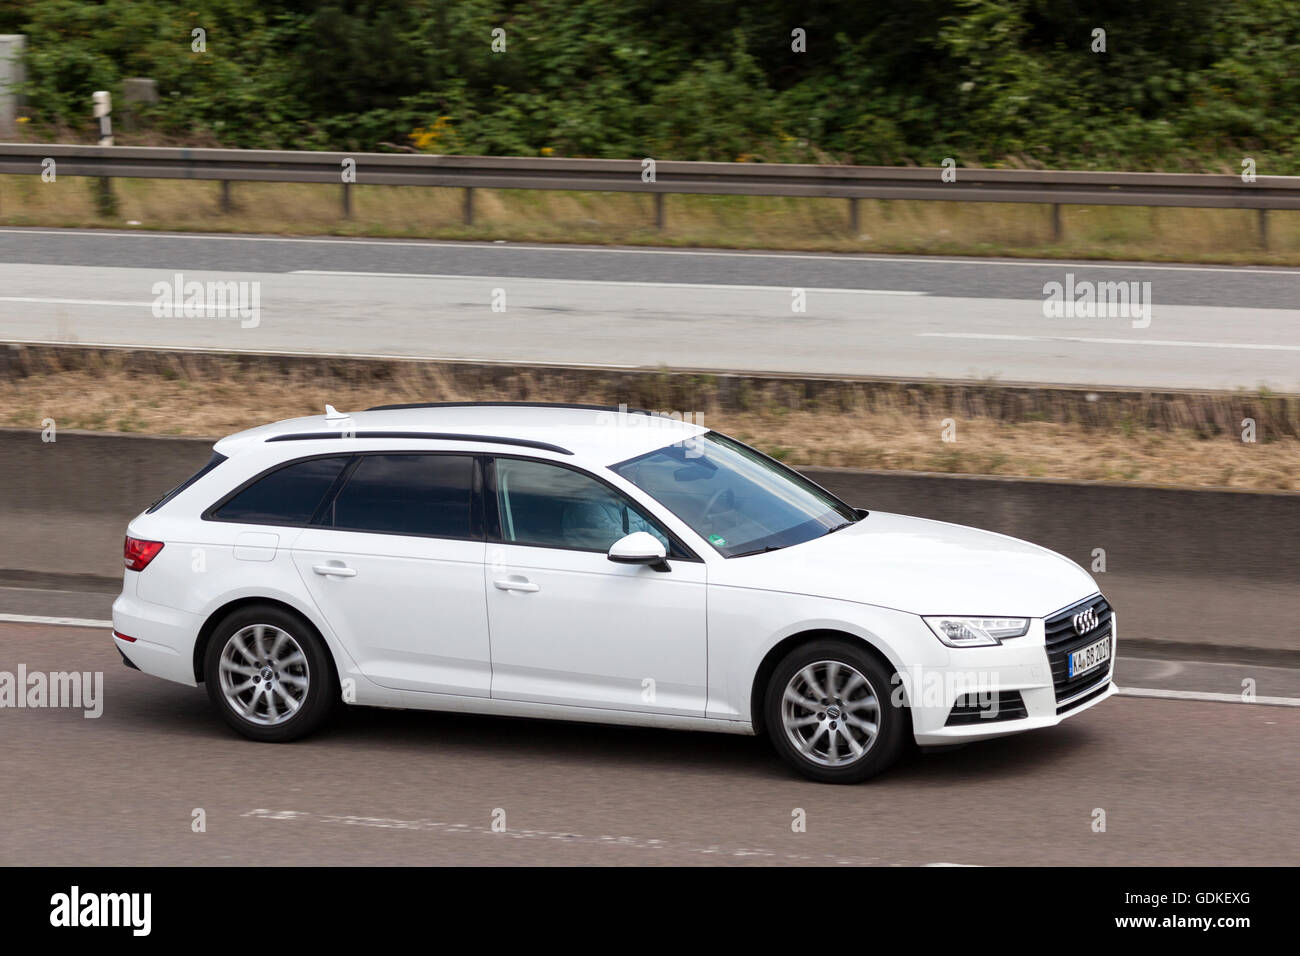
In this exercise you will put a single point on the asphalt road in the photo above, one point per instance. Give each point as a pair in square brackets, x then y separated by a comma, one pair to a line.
[914, 317]
[1181, 782]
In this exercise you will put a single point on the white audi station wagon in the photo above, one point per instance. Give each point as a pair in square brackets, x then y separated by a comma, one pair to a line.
[594, 564]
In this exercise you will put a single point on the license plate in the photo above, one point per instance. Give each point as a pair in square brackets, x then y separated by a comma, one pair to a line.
[1094, 655]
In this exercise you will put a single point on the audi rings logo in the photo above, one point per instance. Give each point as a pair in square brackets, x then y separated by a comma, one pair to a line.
[1085, 621]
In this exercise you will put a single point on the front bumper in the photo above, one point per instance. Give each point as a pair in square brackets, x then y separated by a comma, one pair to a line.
[1019, 666]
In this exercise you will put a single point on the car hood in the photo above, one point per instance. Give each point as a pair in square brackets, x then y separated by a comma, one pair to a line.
[921, 566]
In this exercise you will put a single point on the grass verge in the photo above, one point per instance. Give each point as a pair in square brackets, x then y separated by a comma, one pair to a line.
[889, 430]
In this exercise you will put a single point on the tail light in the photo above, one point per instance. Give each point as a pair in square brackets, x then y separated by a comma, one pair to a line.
[138, 552]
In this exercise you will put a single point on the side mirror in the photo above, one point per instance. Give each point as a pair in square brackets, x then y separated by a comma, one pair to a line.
[640, 547]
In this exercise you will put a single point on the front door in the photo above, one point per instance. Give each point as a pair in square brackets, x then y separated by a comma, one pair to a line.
[571, 627]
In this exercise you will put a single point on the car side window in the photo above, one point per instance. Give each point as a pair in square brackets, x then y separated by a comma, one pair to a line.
[288, 495]
[554, 507]
[406, 494]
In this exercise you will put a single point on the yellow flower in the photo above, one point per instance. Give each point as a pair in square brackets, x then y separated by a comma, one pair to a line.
[24, 119]
[547, 150]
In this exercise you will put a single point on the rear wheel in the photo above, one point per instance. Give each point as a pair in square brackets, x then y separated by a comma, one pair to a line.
[268, 674]
[828, 712]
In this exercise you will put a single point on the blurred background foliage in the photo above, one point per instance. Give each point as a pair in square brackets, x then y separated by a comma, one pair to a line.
[1183, 84]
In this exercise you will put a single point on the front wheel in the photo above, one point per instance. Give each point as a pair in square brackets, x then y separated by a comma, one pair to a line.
[828, 712]
[268, 674]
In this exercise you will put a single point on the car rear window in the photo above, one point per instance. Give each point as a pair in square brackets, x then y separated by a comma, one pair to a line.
[289, 495]
[215, 460]
[406, 494]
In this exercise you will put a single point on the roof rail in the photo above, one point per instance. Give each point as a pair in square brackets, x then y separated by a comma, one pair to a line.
[590, 408]
[435, 436]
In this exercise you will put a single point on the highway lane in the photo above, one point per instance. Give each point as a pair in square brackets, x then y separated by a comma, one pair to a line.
[965, 277]
[1181, 782]
[844, 331]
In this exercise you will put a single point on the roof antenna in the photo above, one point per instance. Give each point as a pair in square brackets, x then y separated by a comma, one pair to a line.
[332, 414]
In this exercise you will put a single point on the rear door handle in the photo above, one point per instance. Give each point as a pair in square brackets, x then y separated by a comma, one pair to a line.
[336, 570]
[509, 584]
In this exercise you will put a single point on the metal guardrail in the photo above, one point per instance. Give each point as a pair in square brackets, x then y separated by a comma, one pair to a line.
[1055, 188]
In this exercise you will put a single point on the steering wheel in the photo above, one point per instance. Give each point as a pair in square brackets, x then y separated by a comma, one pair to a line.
[718, 496]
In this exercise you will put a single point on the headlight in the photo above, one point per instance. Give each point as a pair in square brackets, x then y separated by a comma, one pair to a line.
[976, 631]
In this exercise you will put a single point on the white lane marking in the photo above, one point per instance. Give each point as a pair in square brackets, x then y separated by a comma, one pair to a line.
[558, 836]
[700, 253]
[61, 621]
[1161, 694]
[568, 282]
[230, 310]
[52, 301]
[387, 356]
[1173, 343]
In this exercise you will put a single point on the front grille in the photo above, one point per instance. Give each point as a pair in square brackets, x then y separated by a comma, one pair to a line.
[1062, 641]
[969, 710]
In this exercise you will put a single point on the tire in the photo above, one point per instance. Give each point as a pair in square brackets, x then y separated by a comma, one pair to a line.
[290, 653]
[802, 733]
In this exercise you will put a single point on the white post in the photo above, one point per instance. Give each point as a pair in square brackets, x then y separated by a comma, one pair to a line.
[103, 113]
[104, 197]
[11, 74]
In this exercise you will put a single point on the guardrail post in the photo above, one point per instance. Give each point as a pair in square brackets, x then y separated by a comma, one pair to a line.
[469, 206]
[1263, 228]
[226, 204]
[853, 216]
[1057, 230]
[661, 214]
[347, 200]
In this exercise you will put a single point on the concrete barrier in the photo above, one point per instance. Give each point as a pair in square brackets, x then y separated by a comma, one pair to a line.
[1212, 574]
[1191, 572]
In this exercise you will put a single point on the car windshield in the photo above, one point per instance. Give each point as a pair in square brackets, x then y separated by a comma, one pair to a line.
[736, 498]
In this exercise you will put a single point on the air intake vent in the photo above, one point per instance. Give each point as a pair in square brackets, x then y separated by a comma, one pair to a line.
[979, 708]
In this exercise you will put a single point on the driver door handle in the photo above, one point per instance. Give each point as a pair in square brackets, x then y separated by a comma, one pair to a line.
[512, 584]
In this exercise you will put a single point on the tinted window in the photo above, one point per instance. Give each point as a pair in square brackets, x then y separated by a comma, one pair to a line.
[406, 494]
[215, 460]
[557, 507]
[288, 495]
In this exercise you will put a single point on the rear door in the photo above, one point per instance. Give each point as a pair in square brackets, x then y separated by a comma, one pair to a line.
[394, 560]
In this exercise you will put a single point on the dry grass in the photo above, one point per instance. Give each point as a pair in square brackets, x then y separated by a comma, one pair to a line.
[948, 228]
[217, 404]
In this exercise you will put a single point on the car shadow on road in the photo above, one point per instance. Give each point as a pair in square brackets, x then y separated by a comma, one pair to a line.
[430, 734]
[1032, 751]
[609, 747]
